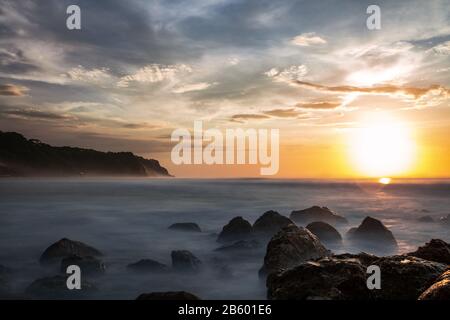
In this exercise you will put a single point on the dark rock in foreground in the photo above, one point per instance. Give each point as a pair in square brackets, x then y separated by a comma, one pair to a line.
[56, 288]
[88, 265]
[183, 260]
[186, 226]
[440, 290]
[435, 250]
[270, 223]
[242, 245]
[65, 248]
[175, 295]
[148, 265]
[343, 277]
[372, 232]
[237, 229]
[325, 232]
[316, 213]
[291, 246]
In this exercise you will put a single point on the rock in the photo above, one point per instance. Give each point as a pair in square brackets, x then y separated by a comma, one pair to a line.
[291, 246]
[426, 219]
[65, 248]
[186, 226]
[440, 290]
[372, 232]
[237, 229]
[56, 288]
[317, 213]
[445, 220]
[270, 223]
[435, 250]
[405, 278]
[240, 245]
[183, 260]
[175, 295]
[324, 279]
[343, 277]
[148, 265]
[325, 232]
[88, 265]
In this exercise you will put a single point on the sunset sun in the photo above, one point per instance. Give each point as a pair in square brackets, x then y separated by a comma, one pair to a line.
[382, 147]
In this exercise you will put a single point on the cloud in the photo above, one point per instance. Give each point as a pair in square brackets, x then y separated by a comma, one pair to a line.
[12, 90]
[288, 74]
[192, 87]
[154, 73]
[318, 105]
[283, 113]
[442, 49]
[308, 39]
[247, 116]
[36, 114]
[95, 75]
[385, 89]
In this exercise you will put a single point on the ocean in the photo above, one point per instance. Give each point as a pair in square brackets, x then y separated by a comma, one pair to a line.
[128, 219]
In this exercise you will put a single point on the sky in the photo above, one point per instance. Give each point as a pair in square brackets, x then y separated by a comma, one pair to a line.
[138, 70]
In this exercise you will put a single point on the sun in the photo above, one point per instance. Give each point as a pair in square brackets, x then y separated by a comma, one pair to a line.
[382, 147]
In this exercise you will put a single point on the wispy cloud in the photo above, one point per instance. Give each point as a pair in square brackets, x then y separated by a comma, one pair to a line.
[308, 39]
[154, 73]
[287, 74]
[192, 87]
[12, 90]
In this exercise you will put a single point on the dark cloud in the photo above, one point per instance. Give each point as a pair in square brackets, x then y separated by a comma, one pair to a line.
[36, 114]
[12, 90]
[318, 105]
[283, 113]
[247, 116]
[385, 89]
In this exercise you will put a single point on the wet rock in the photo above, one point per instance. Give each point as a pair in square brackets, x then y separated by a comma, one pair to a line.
[405, 277]
[65, 248]
[270, 223]
[56, 288]
[435, 250]
[324, 279]
[183, 260]
[88, 265]
[325, 232]
[148, 265]
[237, 229]
[426, 219]
[291, 246]
[440, 290]
[175, 295]
[372, 232]
[242, 245]
[316, 213]
[186, 226]
[343, 277]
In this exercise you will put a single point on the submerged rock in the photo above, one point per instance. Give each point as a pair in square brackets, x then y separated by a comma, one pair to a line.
[186, 226]
[291, 246]
[65, 248]
[325, 232]
[183, 260]
[440, 290]
[435, 250]
[237, 229]
[270, 223]
[148, 265]
[316, 213]
[343, 277]
[88, 265]
[56, 288]
[242, 245]
[426, 219]
[169, 295]
[372, 232]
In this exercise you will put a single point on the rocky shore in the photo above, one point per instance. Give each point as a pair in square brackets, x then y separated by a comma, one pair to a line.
[296, 256]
